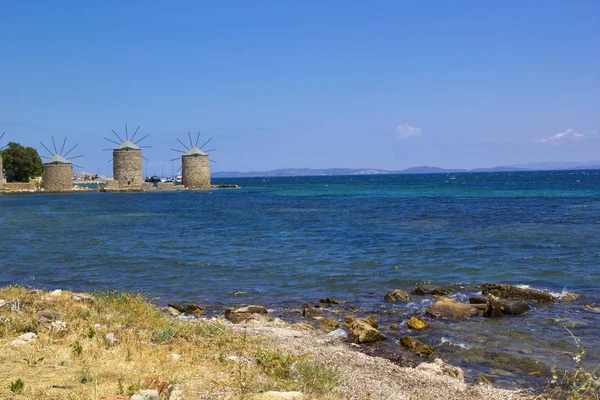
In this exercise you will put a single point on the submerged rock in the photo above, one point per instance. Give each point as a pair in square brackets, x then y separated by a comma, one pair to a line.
[397, 295]
[415, 322]
[364, 330]
[432, 290]
[591, 308]
[510, 292]
[237, 315]
[451, 309]
[416, 345]
[331, 301]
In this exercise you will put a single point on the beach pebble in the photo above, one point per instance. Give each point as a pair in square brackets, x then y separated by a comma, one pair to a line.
[176, 357]
[338, 333]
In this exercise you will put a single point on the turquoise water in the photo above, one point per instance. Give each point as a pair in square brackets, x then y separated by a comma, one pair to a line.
[280, 242]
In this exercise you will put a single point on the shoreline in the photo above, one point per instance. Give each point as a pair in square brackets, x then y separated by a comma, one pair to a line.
[71, 315]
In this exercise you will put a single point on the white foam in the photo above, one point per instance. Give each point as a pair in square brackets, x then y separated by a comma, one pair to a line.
[457, 344]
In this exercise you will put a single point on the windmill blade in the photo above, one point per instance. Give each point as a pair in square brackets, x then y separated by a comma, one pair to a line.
[145, 158]
[213, 161]
[208, 151]
[135, 133]
[1, 136]
[44, 156]
[49, 152]
[205, 143]
[197, 138]
[118, 137]
[73, 148]
[180, 168]
[63, 146]
[179, 151]
[107, 149]
[141, 139]
[190, 136]
[2, 148]
[110, 140]
[78, 166]
[109, 160]
[126, 134]
[54, 144]
[182, 144]
[72, 158]
[175, 159]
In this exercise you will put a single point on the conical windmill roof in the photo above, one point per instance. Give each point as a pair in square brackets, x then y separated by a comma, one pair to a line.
[194, 151]
[57, 159]
[127, 145]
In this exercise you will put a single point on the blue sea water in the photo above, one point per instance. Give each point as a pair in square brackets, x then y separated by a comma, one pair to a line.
[280, 242]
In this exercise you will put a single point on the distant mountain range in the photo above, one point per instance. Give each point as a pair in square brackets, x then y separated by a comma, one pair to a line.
[545, 166]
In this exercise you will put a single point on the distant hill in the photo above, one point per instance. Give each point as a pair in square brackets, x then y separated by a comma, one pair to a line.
[413, 170]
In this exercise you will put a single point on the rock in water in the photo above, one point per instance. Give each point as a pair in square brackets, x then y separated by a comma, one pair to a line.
[477, 300]
[514, 307]
[510, 292]
[331, 301]
[432, 290]
[237, 315]
[363, 330]
[416, 345]
[327, 324]
[187, 308]
[397, 295]
[451, 309]
[417, 323]
[494, 307]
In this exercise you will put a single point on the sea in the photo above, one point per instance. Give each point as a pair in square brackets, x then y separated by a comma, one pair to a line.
[281, 242]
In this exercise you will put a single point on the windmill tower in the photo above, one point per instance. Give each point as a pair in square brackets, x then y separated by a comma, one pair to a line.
[127, 160]
[58, 170]
[1, 168]
[195, 164]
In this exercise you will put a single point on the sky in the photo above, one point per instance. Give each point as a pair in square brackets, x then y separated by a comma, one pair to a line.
[315, 84]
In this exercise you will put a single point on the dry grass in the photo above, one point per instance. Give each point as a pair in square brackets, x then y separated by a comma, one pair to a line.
[78, 362]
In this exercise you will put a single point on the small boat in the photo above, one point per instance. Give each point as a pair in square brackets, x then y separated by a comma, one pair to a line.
[152, 179]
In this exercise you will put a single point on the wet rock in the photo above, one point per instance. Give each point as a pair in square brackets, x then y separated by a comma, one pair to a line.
[494, 307]
[371, 321]
[364, 330]
[352, 308]
[417, 346]
[591, 308]
[397, 295]
[327, 324]
[47, 316]
[308, 310]
[570, 297]
[82, 297]
[451, 309]
[510, 292]
[478, 300]
[415, 322]
[484, 380]
[305, 326]
[237, 315]
[514, 307]
[173, 312]
[331, 301]
[394, 326]
[187, 308]
[440, 367]
[432, 290]
[278, 396]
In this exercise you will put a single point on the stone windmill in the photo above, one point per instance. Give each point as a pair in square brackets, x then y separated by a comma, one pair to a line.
[127, 160]
[195, 164]
[1, 168]
[58, 169]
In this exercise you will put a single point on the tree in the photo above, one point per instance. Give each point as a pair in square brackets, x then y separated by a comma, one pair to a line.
[21, 163]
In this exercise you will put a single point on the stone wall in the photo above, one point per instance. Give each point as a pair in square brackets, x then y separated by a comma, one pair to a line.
[195, 172]
[127, 167]
[58, 177]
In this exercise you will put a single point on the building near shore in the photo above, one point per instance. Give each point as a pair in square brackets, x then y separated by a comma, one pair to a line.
[127, 165]
[58, 174]
[195, 169]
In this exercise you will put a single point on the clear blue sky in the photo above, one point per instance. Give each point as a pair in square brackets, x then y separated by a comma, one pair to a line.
[382, 84]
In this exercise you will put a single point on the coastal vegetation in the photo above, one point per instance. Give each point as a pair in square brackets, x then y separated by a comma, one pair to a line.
[21, 163]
